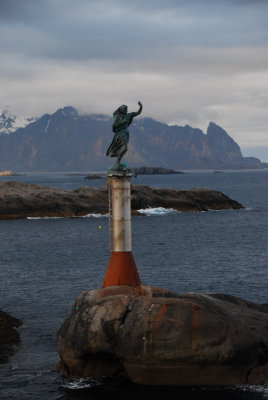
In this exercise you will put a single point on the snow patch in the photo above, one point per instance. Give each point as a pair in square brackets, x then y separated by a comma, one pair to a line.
[10, 122]
[47, 126]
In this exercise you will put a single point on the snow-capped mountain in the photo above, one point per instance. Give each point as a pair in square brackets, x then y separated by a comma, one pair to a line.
[10, 123]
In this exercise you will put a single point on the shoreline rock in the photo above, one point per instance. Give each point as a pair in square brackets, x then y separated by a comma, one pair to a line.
[157, 337]
[9, 336]
[21, 200]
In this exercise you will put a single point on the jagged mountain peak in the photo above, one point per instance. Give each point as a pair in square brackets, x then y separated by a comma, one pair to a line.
[10, 122]
[6, 121]
[215, 129]
[223, 145]
[68, 111]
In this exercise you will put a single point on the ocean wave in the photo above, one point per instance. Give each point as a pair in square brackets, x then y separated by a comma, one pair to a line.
[222, 210]
[95, 215]
[157, 211]
[82, 383]
[81, 216]
[35, 218]
[263, 389]
[229, 209]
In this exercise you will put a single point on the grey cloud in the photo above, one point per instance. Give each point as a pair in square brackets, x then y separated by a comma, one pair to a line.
[23, 10]
[111, 30]
[189, 61]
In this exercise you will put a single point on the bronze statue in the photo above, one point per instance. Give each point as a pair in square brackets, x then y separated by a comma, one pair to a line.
[118, 147]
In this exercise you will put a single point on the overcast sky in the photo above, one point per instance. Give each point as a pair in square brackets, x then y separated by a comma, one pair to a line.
[189, 62]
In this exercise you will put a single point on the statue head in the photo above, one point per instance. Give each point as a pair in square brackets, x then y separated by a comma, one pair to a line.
[121, 110]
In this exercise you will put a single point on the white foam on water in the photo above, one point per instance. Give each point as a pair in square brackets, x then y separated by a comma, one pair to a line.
[229, 209]
[35, 218]
[95, 215]
[263, 389]
[157, 211]
[82, 383]
[223, 210]
[83, 216]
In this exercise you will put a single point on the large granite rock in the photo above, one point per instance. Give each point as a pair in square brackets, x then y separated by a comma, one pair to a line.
[156, 337]
[21, 200]
[9, 336]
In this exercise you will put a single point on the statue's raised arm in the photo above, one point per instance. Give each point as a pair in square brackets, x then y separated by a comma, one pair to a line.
[134, 114]
[118, 147]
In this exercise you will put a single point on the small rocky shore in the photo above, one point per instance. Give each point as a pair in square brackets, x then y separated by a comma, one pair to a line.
[22, 200]
[9, 336]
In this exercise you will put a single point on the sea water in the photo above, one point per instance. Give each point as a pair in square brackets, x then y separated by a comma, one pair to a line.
[45, 263]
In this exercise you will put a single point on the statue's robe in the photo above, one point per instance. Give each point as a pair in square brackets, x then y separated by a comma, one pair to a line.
[118, 147]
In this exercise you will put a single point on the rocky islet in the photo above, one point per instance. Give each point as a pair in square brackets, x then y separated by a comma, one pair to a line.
[21, 200]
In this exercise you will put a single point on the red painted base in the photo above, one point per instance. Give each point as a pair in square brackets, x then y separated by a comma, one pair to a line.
[122, 270]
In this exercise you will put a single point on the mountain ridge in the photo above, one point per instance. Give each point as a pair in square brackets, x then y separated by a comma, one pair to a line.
[69, 141]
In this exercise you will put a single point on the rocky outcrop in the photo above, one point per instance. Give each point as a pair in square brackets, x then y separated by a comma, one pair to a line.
[157, 337]
[195, 199]
[21, 200]
[9, 336]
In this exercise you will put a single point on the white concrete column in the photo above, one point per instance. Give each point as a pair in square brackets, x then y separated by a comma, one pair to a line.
[120, 197]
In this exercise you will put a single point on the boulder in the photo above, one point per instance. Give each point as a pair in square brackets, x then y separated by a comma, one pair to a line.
[157, 337]
[9, 336]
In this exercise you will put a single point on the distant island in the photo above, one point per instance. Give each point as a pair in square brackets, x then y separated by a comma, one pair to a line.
[21, 200]
[154, 171]
[75, 174]
[138, 171]
[94, 176]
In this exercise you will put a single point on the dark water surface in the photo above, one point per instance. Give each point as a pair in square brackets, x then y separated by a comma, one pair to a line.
[46, 263]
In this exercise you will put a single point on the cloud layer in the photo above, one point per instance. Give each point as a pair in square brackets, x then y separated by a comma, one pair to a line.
[189, 62]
